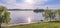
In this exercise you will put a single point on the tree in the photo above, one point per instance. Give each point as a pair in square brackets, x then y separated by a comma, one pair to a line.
[41, 20]
[4, 15]
[49, 14]
[58, 12]
[38, 10]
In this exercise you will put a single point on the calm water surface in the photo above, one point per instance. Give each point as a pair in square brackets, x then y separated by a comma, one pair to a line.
[22, 16]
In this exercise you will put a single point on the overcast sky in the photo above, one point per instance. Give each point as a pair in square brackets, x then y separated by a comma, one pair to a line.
[30, 4]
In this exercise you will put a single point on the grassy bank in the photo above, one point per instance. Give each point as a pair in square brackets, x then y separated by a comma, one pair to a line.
[39, 25]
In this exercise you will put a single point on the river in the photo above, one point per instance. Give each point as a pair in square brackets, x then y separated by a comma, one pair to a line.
[22, 16]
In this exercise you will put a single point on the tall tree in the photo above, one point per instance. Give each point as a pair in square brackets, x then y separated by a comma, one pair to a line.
[49, 14]
[4, 15]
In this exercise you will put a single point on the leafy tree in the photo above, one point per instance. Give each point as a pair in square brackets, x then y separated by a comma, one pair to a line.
[49, 14]
[41, 20]
[4, 15]
[58, 12]
[38, 10]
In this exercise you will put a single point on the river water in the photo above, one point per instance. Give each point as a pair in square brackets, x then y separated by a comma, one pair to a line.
[22, 16]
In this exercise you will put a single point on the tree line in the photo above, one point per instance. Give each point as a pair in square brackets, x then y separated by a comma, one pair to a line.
[50, 15]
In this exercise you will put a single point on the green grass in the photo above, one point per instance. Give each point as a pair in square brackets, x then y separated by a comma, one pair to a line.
[54, 24]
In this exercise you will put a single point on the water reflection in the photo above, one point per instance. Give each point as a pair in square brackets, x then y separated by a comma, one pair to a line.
[21, 16]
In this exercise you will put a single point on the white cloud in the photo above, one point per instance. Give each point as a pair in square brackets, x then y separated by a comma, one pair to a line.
[29, 1]
[25, 4]
[35, 1]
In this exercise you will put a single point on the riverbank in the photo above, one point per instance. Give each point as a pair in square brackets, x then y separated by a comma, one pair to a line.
[4, 25]
[39, 25]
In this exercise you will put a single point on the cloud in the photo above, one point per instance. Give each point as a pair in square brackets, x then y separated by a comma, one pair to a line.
[26, 4]
[29, 1]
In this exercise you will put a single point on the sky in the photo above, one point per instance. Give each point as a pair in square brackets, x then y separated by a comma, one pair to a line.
[30, 4]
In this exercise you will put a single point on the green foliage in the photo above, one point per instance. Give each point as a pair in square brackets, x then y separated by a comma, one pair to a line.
[1, 13]
[46, 13]
[58, 12]
[38, 10]
[40, 25]
[4, 15]
[49, 14]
